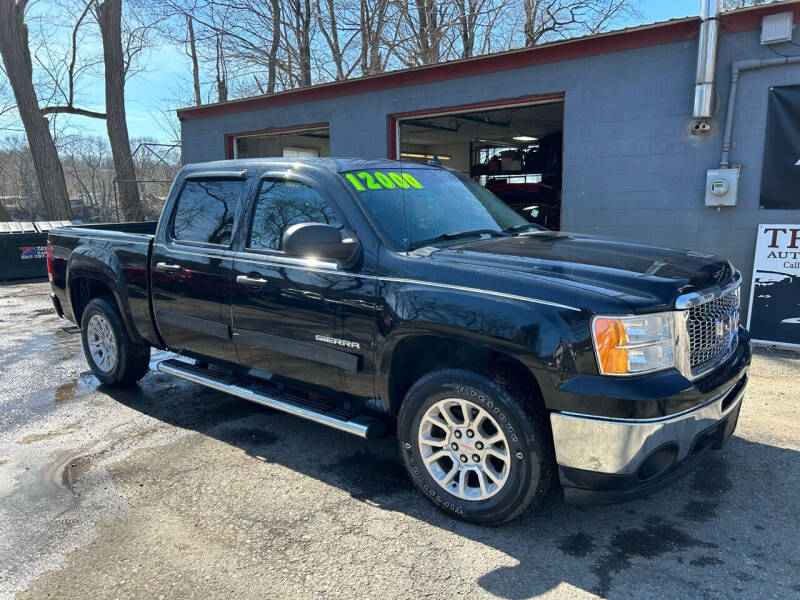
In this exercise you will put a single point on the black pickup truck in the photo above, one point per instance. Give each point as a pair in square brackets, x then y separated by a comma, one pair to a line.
[373, 295]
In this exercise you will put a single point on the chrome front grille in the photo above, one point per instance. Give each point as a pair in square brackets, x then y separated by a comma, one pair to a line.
[712, 329]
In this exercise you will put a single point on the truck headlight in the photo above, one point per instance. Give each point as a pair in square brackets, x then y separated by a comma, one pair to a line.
[634, 344]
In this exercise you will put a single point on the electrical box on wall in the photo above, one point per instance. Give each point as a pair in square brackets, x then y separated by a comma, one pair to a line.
[722, 186]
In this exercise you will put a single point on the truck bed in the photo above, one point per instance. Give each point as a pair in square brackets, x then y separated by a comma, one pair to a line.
[116, 255]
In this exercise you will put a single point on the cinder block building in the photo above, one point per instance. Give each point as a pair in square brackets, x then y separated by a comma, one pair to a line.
[624, 127]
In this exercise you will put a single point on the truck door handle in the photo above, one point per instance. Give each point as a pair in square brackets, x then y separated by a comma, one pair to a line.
[251, 281]
[162, 266]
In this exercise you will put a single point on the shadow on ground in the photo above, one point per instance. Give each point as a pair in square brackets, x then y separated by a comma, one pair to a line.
[714, 532]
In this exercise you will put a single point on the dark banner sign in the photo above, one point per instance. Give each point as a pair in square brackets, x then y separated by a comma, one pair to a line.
[780, 174]
[774, 316]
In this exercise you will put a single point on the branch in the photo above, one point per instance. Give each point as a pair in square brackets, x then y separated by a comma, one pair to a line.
[71, 69]
[52, 110]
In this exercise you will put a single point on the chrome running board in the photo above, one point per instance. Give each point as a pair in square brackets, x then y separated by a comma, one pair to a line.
[361, 425]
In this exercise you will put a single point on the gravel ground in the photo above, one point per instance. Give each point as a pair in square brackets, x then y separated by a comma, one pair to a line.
[169, 490]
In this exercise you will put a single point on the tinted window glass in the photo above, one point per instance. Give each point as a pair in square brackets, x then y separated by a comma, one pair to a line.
[418, 204]
[206, 210]
[281, 204]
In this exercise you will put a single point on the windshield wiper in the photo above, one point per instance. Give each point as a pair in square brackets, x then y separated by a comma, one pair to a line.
[519, 228]
[455, 235]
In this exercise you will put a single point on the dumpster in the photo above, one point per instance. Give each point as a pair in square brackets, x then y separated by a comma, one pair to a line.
[23, 248]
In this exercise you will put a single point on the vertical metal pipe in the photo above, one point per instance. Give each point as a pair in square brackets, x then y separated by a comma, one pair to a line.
[736, 71]
[706, 59]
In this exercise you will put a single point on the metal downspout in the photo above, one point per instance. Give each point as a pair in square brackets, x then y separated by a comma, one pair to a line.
[706, 64]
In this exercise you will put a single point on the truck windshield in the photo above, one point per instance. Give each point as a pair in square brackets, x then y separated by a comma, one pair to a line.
[416, 207]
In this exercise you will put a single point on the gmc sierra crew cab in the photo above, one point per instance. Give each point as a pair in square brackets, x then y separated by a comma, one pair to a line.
[374, 295]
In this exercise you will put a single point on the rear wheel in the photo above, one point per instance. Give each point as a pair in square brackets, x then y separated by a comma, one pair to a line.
[113, 358]
[473, 449]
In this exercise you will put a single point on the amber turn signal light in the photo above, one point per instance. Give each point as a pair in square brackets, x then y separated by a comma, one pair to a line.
[610, 337]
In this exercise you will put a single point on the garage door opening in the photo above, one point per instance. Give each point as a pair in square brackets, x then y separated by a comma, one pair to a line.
[301, 142]
[514, 150]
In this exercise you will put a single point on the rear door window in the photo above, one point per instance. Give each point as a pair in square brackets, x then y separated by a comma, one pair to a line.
[206, 211]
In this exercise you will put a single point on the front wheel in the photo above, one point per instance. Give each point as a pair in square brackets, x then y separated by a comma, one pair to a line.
[114, 359]
[473, 449]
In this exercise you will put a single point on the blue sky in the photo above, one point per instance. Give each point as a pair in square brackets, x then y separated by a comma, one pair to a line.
[148, 92]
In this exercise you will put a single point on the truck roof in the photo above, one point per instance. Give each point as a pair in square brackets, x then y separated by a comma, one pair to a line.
[336, 165]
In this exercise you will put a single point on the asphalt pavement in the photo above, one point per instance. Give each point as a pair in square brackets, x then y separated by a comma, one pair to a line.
[170, 490]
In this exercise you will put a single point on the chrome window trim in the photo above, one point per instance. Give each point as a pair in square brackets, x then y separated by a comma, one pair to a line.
[309, 264]
[693, 299]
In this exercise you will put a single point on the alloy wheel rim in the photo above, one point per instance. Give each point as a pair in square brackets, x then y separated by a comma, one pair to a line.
[464, 449]
[102, 343]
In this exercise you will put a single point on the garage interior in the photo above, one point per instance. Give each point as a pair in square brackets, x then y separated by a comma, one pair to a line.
[301, 143]
[515, 151]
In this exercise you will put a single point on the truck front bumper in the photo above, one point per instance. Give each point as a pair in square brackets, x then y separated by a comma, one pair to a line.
[605, 460]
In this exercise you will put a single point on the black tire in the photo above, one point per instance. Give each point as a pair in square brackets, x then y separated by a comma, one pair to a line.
[527, 435]
[131, 361]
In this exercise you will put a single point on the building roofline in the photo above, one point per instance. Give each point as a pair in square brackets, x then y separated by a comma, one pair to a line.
[640, 36]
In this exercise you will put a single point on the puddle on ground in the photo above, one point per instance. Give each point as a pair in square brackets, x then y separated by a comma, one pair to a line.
[84, 384]
[73, 470]
[57, 346]
[52, 482]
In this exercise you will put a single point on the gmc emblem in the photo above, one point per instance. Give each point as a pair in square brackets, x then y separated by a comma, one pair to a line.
[726, 325]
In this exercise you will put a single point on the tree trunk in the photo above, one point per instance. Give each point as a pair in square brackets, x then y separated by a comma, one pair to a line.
[304, 41]
[198, 100]
[109, 17]
[332, 36]
[222, 73]
[275, 46]
[17, 60]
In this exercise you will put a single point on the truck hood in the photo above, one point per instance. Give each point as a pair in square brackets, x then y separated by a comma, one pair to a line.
[647, 277]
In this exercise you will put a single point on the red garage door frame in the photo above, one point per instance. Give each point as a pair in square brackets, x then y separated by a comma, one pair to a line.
[230, 138]
[394, 120]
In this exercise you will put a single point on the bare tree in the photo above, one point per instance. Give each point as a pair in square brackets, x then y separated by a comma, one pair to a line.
[72, 71]
[374, 46]
[19, 69]
[192, 51]
[546, 20]
[732, 4]
[237, 40]
[428, 31]
[7, 104]
[330, 17]
[109, 18]
[90, 175]
[298, 23]
[477, 20]
[18, 182]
